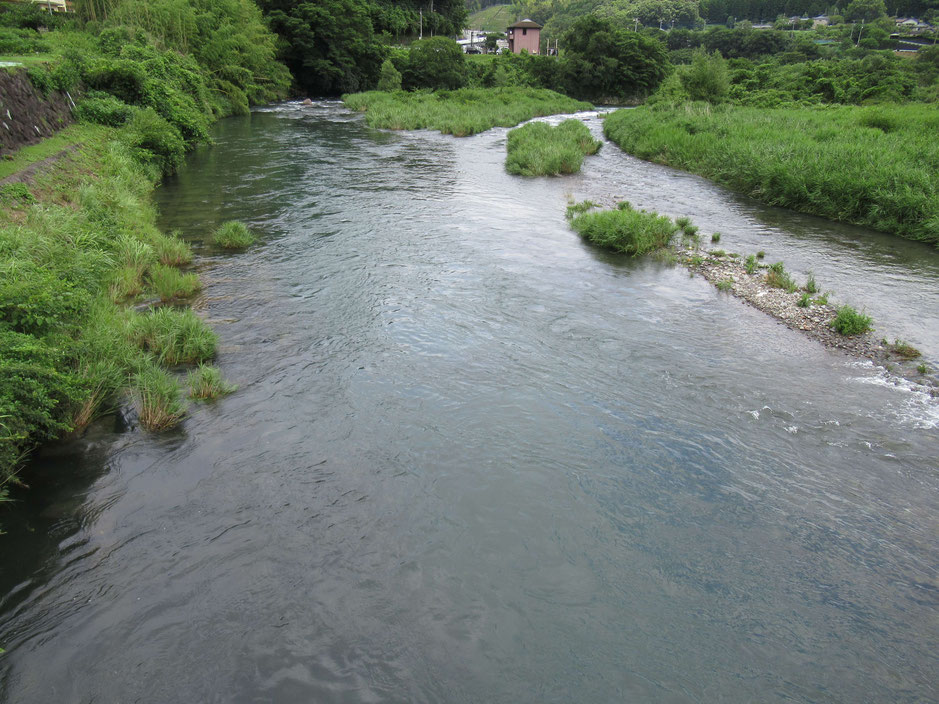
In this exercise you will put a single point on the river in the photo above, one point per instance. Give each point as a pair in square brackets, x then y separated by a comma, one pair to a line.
[472, 459]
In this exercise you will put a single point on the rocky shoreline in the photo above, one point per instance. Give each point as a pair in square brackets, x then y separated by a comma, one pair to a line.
[814, 320]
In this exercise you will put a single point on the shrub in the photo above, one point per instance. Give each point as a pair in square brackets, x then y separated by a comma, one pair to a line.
[706, 78]
[153, 140]
[625, 230]
[103, 109]
[206, 382]
[390, 77]
[848, 321]
[233, 235]
[436, 63]
[175, 336]
[157, 396]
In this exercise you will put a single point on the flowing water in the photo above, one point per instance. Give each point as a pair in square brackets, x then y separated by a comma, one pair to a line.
[473, 460]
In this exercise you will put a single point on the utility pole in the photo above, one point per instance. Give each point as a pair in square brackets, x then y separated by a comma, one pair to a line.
[636, 28]
[420, 32]
[859, 34]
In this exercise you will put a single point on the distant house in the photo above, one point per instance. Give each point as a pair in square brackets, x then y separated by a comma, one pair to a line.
[524, 35]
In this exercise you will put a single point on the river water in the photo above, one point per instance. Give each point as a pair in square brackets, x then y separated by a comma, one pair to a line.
[473, 460]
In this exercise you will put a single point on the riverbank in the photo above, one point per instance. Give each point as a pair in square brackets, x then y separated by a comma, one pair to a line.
[82, 262]
[872, 166]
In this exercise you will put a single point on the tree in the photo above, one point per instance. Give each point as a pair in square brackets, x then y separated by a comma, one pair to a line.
[706, 78]
[390, 78]
[605, 62]
[865, 10]
[436, 63]
[328, 45]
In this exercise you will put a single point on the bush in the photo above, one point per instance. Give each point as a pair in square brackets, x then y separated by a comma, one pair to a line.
[436, 63]
[233, 235]
[848, 321]
[155, 141]
[706, 78]
[390, 77]
[103, 109]
[625, 230]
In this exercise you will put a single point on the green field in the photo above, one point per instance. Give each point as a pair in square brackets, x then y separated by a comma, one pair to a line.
[493, 19]
[873, 166]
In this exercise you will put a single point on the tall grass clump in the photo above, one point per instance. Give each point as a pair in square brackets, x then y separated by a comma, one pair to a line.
[233, 235]
[848, 321]
[175, 336]
[207, 383]
[852, 164]
[624, 229]
[171, 250]
[538, 149]
[156, 394]
[778, 277]
[460, 112]
[170, 283]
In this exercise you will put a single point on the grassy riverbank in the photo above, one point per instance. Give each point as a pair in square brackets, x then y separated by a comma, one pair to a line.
[78, 246]
[460, 112]
[872, 166]
[538, 149]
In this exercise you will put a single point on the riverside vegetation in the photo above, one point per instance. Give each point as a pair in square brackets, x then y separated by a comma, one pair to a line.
[79, 247]
[538, 149]
[460, 112]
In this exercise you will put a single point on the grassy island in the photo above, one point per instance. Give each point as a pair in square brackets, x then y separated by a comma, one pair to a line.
[873, 166]
[538, 149]
[460, 112]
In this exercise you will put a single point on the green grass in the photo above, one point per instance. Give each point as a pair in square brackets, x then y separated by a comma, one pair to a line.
[538, 149]
[460, 112]
[716, 237]
[811, 286]
[824, 161]
[725, 285]
[805, 300]
[157, 397]
[848, 321]
[206, 383]
[494, 18]
[171, 250]
[751, 264]
[778, 277]
[175, 336]
[232, 235]
[71, 136]
[905, 350]
[922, 368]
[170, 283]
[625, 230]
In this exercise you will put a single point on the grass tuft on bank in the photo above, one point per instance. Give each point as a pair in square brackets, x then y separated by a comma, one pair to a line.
[538, 149]
[461, 112]
[232, 235]
[623, 229]
[837, 162]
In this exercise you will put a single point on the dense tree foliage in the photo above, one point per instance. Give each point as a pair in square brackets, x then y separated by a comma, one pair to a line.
[558, 15]
[605, 62]
[435, 63]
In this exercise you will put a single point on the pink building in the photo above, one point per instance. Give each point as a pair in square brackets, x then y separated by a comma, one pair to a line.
[524, 35]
